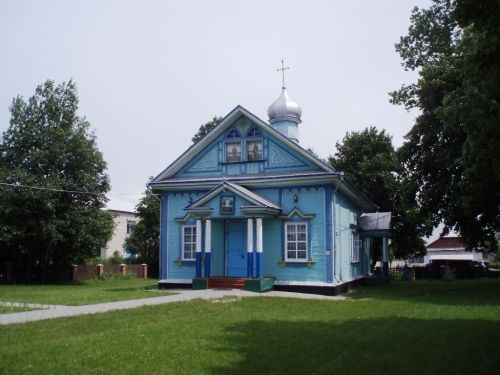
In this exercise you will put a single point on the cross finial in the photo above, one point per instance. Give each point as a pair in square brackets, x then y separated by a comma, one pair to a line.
[283, 68]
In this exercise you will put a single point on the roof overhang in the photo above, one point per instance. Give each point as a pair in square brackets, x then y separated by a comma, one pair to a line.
[260, 211]
[316, 178]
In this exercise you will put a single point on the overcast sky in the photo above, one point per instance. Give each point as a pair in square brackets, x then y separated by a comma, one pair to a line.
[149, 73]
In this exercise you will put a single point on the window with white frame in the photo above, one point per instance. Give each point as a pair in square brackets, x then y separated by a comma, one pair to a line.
[188, 242]
[355, 248]
[296, 241]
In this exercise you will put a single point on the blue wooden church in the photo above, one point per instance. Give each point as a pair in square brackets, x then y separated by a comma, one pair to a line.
[248, 207]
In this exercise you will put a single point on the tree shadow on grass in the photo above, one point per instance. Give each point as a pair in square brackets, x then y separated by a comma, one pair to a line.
[477, 292]
[374, 346]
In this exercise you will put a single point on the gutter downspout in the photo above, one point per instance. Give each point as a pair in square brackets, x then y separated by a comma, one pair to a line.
[334, 227]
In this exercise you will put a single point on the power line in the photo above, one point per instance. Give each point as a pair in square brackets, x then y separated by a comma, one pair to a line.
[48, 189]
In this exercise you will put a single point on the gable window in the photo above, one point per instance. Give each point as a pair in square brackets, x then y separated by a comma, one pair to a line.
[355, 248]
[254, 145]
[296, 242]
[254, 149]
[233, 134]
[254, 133]
[233, 152]
[189, 242]
[232, 146]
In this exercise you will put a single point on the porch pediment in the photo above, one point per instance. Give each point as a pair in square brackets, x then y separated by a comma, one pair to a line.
[254, 204]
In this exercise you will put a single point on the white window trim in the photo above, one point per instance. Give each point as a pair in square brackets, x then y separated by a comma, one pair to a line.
[184, 227]
[296, 260]
[356, 246]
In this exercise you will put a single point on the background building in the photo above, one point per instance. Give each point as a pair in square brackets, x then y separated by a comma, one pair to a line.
[123, 220]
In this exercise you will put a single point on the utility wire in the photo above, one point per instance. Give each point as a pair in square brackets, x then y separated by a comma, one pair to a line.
[48, 189]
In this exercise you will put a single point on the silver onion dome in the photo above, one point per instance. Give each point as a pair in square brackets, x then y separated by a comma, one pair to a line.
[284, 108]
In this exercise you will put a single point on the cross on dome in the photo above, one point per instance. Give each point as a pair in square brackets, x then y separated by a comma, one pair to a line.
[283, 68]
[284, 114]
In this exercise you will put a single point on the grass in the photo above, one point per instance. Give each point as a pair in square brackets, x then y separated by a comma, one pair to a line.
[14, 309]
[84, 293]
[416, 327]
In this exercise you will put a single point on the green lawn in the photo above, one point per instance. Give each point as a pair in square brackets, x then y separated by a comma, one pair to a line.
[88, 292]
[414, 327]
[14, 309]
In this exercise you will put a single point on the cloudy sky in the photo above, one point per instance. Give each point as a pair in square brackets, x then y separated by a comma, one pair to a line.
[149, 73]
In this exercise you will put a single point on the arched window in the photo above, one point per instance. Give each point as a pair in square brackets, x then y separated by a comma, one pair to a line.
[254, 144]
[233, 146]
[254, 133]
[233, 134]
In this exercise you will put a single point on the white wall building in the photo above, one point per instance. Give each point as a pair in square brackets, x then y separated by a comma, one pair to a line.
[452, 248]
[123, 221]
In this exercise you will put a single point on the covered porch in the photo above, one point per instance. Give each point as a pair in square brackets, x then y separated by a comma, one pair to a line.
[241, 214]
[377, 225]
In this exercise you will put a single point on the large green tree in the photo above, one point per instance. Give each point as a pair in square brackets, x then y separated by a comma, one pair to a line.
[144, 242]
[53, 183]
[206, 128]
[369, 161]
[451, 155]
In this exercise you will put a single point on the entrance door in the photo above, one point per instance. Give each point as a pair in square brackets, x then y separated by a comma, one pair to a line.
[236, 249]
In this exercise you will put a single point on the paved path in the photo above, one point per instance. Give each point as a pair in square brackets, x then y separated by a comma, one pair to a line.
[58, 311]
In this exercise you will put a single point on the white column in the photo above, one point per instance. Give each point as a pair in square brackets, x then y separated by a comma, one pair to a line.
[208, 247]
[198, 249]
[258, 224]
[385, 253]
[250, 235]
[208, 236]
[385, 258]
[250, 247]
[198, 236]
[258, 247]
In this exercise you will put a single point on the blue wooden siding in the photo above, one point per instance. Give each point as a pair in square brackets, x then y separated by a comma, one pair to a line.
[346, 216]
[309, 201]
[172, 231]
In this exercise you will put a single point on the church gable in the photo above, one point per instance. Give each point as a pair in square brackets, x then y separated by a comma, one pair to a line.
[242, 144]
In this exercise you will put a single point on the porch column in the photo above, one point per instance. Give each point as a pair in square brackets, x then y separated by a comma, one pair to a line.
[385, 258]
[258, 248]
[250, 247]
[208, 246]
[198, 248]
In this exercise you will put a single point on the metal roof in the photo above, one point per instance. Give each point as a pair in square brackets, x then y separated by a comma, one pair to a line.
[454, 243]
[375, 221]
[452, 257]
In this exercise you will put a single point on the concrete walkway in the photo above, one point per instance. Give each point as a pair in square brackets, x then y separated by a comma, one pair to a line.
[58, 311]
